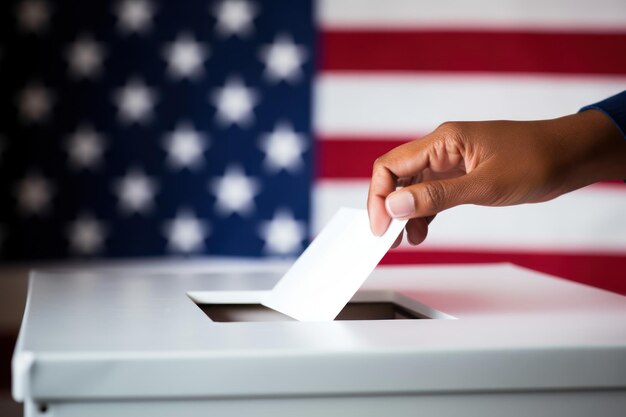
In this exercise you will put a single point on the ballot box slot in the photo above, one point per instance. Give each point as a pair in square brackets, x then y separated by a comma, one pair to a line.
[248, 312]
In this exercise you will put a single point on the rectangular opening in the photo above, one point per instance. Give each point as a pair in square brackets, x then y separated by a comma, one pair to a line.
[384, 310]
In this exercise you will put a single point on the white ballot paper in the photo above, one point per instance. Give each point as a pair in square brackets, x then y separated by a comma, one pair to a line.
[325, 277]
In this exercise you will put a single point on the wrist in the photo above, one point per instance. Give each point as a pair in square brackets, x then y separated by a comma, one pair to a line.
[591, 148]
[614, 108]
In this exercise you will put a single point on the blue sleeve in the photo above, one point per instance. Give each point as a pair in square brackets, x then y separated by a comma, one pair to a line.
[615, 108]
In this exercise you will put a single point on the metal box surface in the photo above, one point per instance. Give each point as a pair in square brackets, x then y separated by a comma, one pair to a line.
[501, 340]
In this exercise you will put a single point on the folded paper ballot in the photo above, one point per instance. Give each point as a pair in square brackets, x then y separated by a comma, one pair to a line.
[330, 271]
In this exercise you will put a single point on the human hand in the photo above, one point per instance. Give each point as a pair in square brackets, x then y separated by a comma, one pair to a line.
[493, 163]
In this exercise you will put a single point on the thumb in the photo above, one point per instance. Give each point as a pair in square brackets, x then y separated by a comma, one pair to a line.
[431, 197]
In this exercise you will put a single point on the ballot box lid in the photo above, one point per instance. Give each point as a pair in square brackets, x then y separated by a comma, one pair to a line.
[131, 333]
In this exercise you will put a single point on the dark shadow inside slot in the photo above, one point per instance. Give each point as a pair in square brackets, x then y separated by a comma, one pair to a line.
[227, 313]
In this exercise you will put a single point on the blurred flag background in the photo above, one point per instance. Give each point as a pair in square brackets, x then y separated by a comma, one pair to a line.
[147, 129]
[143, 128]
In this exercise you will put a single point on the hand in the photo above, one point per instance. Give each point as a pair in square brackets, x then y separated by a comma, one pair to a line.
[493, 163]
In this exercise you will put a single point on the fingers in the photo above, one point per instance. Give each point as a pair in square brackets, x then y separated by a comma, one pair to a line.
[441, 151]
[429, 198]
[407, 160]
[417, 229]
[383, 183]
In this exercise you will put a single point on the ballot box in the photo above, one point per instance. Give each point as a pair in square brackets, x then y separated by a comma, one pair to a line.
[482, 340]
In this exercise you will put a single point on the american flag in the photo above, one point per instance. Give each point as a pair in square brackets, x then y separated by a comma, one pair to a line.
[142, 128]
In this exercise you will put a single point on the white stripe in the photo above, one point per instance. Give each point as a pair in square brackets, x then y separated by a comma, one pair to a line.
[416, 103]
[598, 15]
[587, 220]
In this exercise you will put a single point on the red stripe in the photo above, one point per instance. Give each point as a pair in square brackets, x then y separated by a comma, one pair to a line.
[602, 271]
[499, 51]
[350, 157]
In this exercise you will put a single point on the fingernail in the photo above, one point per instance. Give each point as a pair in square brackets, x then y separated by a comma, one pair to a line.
[400, 204]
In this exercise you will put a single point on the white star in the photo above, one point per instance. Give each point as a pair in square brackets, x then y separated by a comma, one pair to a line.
[234, 17]
[283, 148]
[283, 234]
[85, 148]
[85, 57]
[86, 235]
[185, 147]
[234, 103]
[135, 102]
[186, 233]
[135, 15]
[35, 103]
[185, 57]
[135, 192]
[234, 192]
[283, 59]
[33, 15]
[34, 194]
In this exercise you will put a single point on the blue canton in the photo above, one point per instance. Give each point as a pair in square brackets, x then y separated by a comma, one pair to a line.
[140, 128]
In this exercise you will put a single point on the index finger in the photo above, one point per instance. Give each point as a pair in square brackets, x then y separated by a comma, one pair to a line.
[406, 160]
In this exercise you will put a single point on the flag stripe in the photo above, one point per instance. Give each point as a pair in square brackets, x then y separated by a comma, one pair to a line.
[554, 15]
[602, 271]
[403, 104]
[349, 158]
[581, 221]
[473, 51]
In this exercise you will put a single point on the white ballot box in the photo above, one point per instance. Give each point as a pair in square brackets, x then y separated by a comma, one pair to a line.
[482, 340]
